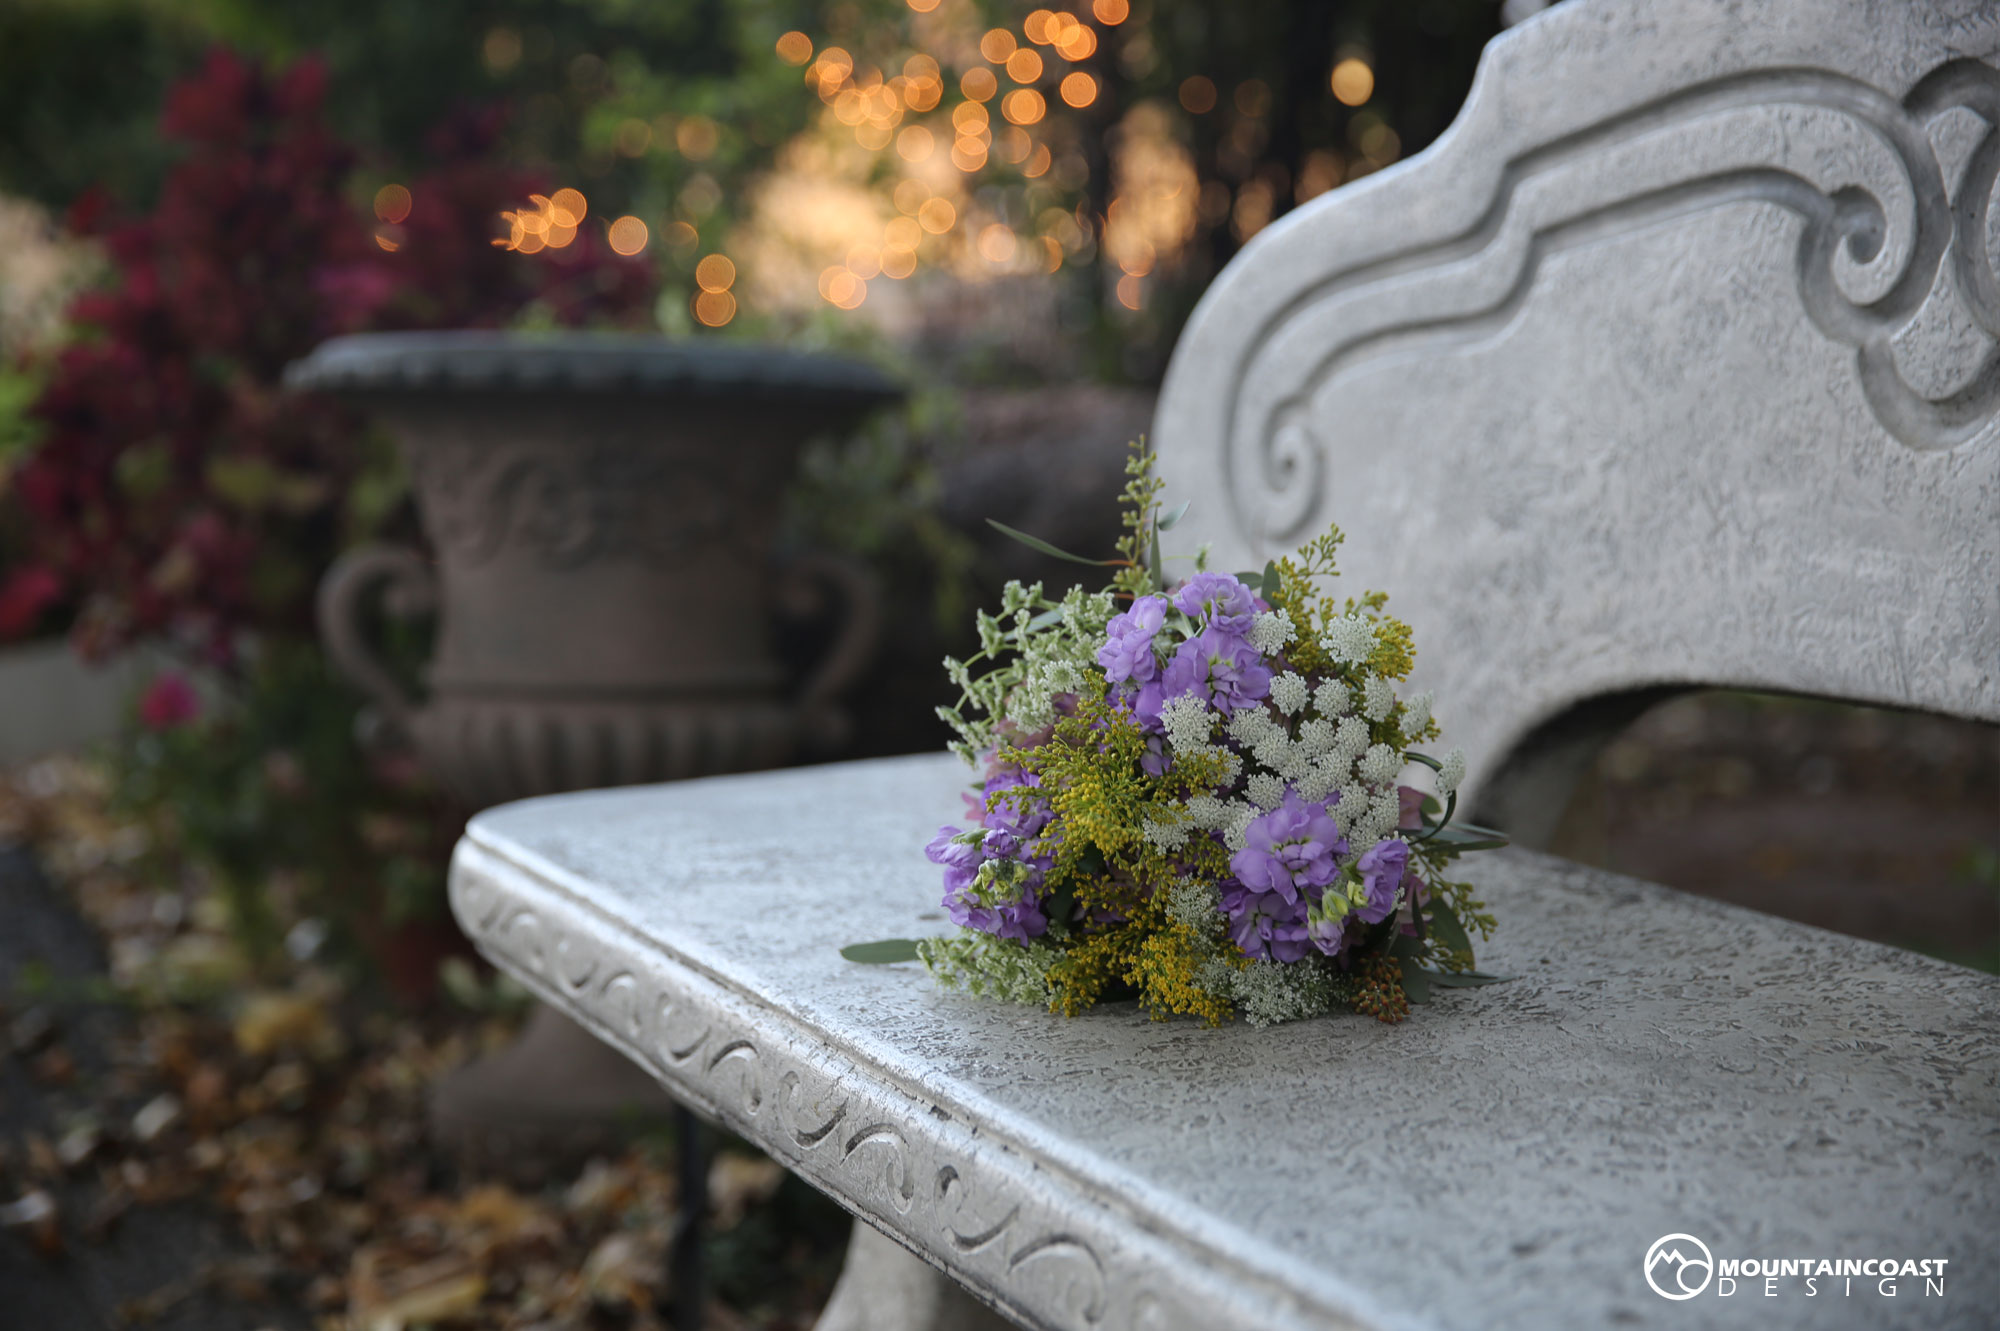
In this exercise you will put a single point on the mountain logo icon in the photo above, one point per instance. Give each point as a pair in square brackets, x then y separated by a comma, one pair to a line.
[1679, 1266]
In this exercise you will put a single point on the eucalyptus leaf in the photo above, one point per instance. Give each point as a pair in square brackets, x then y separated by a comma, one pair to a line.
[1450, 930]
[1271, 580]
[1046, 618]
[1037, 543]
[1167, 523]
[1416, 981]
[1466, 837]
[881, 952]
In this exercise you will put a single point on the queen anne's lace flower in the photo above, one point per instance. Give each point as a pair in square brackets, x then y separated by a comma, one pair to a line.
[1266, 792]
[1332, 698]
[1252, 726]
[1378, 698]
[1187, 721]
[1315, 737]
[1271, 631]
[1416, 714]
[1451, 771]
[1350, 640]
[1290, 693]
[1380, 764]
[1350, 739]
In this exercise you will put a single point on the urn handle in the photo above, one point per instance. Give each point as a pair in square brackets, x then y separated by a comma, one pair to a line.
[409, 588]
[805, 578]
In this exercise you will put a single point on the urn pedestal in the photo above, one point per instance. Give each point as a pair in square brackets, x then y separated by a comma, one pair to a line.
[601, 511]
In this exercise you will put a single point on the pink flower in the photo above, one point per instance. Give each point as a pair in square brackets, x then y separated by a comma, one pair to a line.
[169, 701]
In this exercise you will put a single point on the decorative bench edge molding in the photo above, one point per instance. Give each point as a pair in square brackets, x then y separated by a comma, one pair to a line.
[1018, 1235]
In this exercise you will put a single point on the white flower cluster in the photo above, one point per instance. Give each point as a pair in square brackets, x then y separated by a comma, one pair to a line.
[1349, 640]
[1188, 723]
[1269, 633]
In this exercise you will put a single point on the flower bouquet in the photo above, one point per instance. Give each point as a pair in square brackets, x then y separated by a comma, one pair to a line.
[1192, 795]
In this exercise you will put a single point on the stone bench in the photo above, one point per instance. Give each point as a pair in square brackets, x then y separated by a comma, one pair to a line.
[1671, 365]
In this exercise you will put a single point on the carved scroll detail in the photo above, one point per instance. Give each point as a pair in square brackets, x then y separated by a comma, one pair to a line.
[1278, 467]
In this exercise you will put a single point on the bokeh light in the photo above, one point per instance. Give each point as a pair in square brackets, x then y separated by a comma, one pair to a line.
[937, 216]
[1039, 27]
[915, 143]
[1079, 89]
[697, 137]
[714, 308]
[1111, 12]
[392, 203]
[1076, 41]
[1023, 106]
[716, 272]
[1353, 81]
[1024, 66]
[633, 137]
[997, 45]
[979, 84]
[628, 235]
[1198, 94]
[568, 208]
[795, 48]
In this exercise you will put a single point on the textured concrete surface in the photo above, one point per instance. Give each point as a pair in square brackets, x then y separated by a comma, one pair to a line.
[1504, 1159]
[1672, 363]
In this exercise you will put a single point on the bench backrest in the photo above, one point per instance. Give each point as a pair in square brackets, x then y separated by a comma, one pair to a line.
[1671, 364]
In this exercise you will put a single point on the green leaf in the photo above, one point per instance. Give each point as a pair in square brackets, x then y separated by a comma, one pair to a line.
[1270, 579]
[1450, 930]
[1046, 618]
[882, 952]
[1037, 543]
[1416, 980]
[1167, 523]
[1465, 979]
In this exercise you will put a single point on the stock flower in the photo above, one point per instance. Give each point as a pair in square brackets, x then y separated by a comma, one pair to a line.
[1292, 851]
[1265, 925]
[1219, 601]
[1381, 866]
[1220, 669]
[1127, 653]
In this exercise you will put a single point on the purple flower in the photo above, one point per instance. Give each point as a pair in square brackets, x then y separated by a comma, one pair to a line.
[1328, 934]
[1019, 808]
[1127, 652]
[1265, 925]
[1220, 600]
[960, 858]
[992, 879]
[1223, 670]
[1293, 850]
[1382, 867]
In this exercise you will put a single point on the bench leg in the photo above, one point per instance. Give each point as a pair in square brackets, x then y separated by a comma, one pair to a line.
[884, 1288]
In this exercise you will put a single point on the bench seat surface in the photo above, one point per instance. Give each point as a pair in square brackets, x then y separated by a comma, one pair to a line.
[1504, 1158]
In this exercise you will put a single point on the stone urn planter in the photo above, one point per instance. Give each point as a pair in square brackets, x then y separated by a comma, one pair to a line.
[601, 511]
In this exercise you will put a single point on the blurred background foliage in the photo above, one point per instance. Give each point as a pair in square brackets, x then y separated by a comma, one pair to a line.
[1003, 204]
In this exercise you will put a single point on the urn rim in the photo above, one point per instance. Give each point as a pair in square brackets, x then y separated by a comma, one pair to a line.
[482, 361]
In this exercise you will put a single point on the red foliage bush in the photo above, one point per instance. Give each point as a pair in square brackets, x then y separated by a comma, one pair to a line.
[176, 488]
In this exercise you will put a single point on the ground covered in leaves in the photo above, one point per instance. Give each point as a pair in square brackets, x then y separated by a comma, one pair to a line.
[188, 1142]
